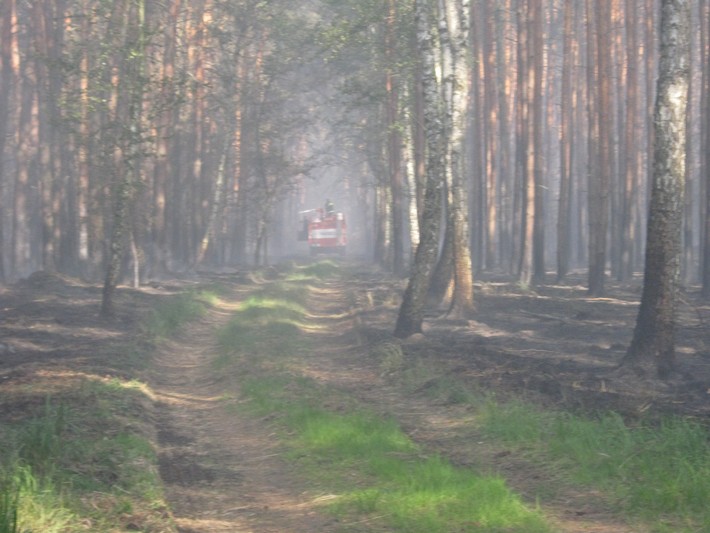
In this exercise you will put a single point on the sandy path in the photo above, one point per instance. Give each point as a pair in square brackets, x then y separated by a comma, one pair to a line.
[343, 360]
[223, 470]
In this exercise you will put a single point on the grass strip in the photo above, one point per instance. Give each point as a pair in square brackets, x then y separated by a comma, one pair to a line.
[658, 472]
[85, 462]
[84, 458]
[651, 471]
[167, 317]
[374, 468]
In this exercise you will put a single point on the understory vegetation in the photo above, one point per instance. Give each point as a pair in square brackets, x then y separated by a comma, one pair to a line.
[656, 474]
[84, 462]
[364, 460]
[79, 455]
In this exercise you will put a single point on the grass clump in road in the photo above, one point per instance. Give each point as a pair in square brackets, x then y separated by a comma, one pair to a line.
[167, 317]
[377, 472]
[656, 472]
[319, 271]
[261, 324]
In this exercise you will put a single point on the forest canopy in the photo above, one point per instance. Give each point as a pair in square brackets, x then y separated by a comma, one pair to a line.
[153, 137]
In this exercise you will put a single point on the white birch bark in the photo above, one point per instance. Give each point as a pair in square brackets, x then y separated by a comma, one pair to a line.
[411, 312]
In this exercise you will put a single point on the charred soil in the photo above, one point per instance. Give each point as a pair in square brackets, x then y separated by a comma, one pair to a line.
[223, 470]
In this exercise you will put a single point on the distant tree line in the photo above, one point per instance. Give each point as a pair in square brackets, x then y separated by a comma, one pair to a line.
[139, 138]
[157, 137]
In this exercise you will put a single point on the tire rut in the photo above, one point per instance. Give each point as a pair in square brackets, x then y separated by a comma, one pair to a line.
[345, 361]
[222, 470]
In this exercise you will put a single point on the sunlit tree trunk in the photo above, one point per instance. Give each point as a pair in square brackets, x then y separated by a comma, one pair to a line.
[411, 312]
[491, 49]
[478, 208]
[198, 186]
[442, 278]
[8, 80]
[418, 135]
[127, 163]
[539, 181]
[394, 142]
[632, 142]
[83, 163]
[652, 348]
[216, 207]
[564, 212]
[526, 144]
[46, 177]
[705, 163]
[693, 188]
[165, 131]
[24, 232]
[506, 87]
[457, 19]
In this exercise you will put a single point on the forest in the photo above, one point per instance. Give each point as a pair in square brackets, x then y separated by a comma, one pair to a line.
[183, 134]
[513, 338]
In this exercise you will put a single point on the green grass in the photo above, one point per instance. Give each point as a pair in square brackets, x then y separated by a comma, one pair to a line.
[41, 440]
[263, 323]
[293, 292]
[376, 470]
[319, 271]
[10, 486]
[167, 317]
[84, 458]
[657, 472]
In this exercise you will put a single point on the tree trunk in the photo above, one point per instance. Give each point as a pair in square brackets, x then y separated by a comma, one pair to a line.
[457, 17]
[159, 260]
[127, 164]
[653, 345]
[600, 142]
[216, 207]
[442, 279]
[539, 182]
[411, 312]
[632, 141]
[394, 143]
[526, 145]
[116, 249]
[8, 80]
[564, 212]
[705, 166]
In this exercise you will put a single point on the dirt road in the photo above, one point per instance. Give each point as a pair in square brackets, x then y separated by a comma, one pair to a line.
[225, 471]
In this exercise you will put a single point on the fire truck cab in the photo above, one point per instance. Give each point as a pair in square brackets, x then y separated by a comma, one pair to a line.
[326, 232]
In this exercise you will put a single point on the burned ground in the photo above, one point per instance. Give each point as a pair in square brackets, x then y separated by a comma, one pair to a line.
[553, 345]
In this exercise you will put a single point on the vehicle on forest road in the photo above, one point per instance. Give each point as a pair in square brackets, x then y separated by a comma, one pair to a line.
[324, 230]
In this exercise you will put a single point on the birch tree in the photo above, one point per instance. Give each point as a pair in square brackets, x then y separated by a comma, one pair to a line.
[127, 151]
[411, 312]
[652, 348]
[457, 13]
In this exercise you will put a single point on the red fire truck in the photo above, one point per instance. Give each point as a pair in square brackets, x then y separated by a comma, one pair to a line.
[326, 232]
